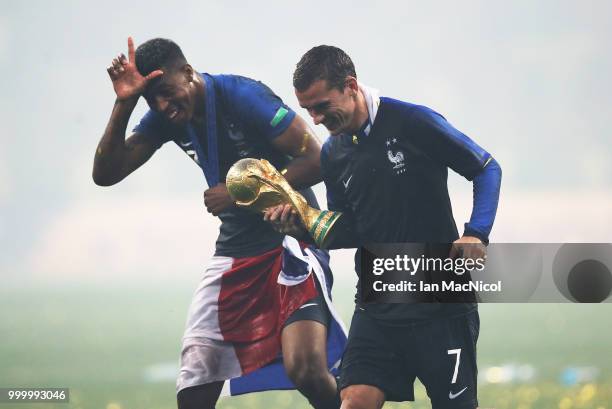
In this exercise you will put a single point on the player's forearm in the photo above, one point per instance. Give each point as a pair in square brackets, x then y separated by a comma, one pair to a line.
[304, 171]
[342, 235]
[299, 142]
[110, 153]
[303, 236]
[486, 197]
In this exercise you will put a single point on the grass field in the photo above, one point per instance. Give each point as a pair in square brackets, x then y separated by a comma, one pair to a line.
[118, 349]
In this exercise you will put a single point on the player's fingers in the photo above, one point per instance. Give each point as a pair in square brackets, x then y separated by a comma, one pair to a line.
[111, 72]
[123, 59]
[286, 212]
[154, 74]
[470, 254]
[116, 64]
[276, 214]
[269, 214]
[473, 251]
[266, 215]
[131, 51]
[119, 65]
[480, 252]
[208, 194]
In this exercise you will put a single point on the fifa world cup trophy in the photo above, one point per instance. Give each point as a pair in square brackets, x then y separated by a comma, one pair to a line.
[257, 185]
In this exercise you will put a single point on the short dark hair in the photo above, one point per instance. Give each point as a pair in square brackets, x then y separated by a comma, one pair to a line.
[324, 62]
[158, 53]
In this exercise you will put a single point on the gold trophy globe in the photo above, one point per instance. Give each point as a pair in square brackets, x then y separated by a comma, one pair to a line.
[256, 185]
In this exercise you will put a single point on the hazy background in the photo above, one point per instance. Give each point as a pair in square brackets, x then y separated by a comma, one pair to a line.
[529, 81]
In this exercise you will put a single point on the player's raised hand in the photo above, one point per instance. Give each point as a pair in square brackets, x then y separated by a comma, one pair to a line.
[127, 81]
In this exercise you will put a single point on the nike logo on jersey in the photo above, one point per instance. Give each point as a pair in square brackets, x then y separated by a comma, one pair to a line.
[308, 305]
[346, 184]
[452, 395]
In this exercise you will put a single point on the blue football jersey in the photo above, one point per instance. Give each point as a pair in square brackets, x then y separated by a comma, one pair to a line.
[247, 116]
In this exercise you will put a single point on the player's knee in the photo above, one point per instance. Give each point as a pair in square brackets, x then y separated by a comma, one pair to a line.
[356, 402]
[362, 397]
[307, 372]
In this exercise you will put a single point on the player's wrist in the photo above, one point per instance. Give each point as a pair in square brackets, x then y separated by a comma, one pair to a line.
[471, 232]
[129, 99]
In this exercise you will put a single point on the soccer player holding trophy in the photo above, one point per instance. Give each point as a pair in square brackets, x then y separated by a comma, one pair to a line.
[385, 168]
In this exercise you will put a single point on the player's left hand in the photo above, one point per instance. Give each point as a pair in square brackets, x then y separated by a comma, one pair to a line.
[468, 247]
[217, 199]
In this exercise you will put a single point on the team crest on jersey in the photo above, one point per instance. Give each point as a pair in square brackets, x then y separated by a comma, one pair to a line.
[239, 140]
[395, 156]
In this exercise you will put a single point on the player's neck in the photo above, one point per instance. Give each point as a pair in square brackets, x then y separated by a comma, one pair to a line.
[199, 113]
[361, 112]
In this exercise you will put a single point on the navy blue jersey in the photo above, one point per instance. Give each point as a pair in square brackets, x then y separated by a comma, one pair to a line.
[392, 183]
[248, 117]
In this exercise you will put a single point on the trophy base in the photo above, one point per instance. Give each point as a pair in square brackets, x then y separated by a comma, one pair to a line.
[320, 229]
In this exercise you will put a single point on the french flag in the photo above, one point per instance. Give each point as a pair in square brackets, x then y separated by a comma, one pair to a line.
[238, 313]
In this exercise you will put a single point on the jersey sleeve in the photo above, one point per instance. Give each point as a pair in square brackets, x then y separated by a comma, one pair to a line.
[445, 144]
[259, 107]
[486, 197]
[335, 200]
[442, 142]
[154, 127]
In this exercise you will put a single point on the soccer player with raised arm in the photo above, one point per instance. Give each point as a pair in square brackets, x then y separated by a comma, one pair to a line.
[258, 296]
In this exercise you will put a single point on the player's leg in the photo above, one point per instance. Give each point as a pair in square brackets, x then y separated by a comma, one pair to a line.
[205, 359]
[304, 345]
[372, 369]
[204, 364]
[200, 396]
[447, 361]
[362, 397]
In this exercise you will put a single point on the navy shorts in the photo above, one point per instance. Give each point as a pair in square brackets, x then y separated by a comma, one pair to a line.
[441, 352]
